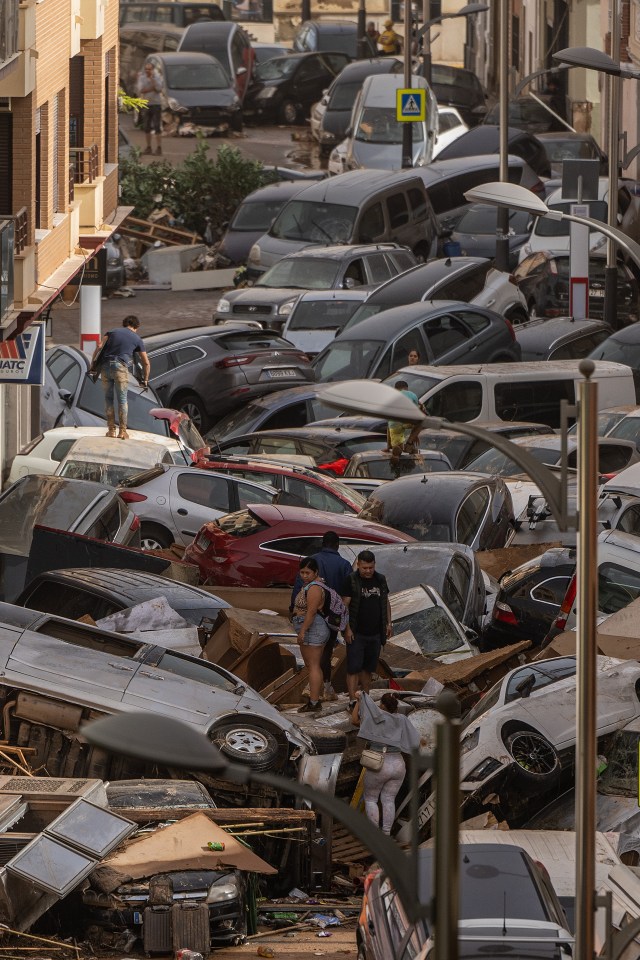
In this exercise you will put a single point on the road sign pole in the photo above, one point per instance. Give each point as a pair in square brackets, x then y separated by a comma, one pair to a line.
[407, 134]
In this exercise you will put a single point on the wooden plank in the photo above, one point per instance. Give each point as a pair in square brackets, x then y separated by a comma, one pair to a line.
[275, 684]
[221, 815]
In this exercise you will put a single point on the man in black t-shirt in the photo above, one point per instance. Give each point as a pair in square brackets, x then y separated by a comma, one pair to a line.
[118, 347]
[366, 594]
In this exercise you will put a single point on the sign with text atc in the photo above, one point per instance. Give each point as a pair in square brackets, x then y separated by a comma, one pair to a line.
[22, 359]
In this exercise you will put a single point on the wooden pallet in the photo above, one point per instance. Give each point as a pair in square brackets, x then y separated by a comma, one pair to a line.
[345, 848]
[146, 232]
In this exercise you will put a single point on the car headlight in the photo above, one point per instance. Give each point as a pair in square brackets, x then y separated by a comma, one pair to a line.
[254, 254]
[483, 770]
[470, 742]
[326, 135]
[266, 93]
[174, 104]
[226, 888]
[285, 308]
[223, 306]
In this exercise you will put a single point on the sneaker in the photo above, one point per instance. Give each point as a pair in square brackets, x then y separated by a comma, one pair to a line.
[158, 151]
[329, 692]
[311, 707]
[147, 152]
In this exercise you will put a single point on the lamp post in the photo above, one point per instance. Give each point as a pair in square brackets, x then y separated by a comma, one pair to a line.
[593, 59]
[468, 10]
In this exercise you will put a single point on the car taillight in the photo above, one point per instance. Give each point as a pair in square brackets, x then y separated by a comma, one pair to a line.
[538, 188]
[503, 613]
[235, 361]
[130, 497]
[510, 328]
[336, 466]
[135, 523]
[368, 880]
[560, 622]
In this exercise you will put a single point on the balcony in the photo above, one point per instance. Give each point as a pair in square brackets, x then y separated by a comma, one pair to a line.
[9, 30]
[92, 22]
[84, 161]
[87, 185]
[17, 49]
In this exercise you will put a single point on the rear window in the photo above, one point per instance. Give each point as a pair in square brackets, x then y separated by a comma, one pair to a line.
[242, 523]
[617, 587]
[343, 95]
[253, 341]
[536, 400]
[39, 500]
[108, 523]
[322, 314]
[560, 228]
[256, 215]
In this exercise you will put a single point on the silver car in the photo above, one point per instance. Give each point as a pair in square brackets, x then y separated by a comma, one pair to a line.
[57, 673]
[173, 503]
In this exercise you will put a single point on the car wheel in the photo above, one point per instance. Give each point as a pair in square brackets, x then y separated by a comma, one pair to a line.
[536, 760]
[516, 316]
[192, 405]
[421, 253]
[329, 741]
[289, 112]
[247, 743]
[154, 537]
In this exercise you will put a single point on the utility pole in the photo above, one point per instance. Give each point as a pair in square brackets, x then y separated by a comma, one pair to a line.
[407, 129]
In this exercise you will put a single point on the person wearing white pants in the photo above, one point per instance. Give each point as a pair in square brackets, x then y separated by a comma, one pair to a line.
[381, 790]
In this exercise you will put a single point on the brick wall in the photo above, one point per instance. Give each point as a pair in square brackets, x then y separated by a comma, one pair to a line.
[24, 160]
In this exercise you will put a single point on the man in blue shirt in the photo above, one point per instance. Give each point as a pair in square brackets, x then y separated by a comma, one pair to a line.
[115, 361]
[333, 569]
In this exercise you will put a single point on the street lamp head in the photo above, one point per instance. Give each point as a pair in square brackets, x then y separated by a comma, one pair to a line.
[588, 57]
[152, 737]
[510, 195]
[371, 398]
[470, 8]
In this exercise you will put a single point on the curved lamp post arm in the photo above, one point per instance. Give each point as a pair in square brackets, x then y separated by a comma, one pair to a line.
[539, 73]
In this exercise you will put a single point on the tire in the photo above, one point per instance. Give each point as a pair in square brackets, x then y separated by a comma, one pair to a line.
[288, 113]
[247, 743]
[154, 537]
[421, 253]
[517, 317]
[536, 760]
[328, 741]
[192, 405]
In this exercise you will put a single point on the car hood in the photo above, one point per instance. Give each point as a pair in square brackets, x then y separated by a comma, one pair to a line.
[336, 122]
[273, 249]
[235, 244]
[204, 98]
[270, 295]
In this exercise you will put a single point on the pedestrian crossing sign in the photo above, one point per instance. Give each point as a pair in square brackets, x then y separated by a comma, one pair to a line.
[411, 105]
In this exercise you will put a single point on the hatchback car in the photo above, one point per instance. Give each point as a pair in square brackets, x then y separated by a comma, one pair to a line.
[561, 338]
[253, 217]
[476, 232]
[460, 89]
[320, 315]
[529, 599]
[61, 665]
[297, 486]
[442, 332]
[229, 44]
[614, 455]
[262, 545]
[472, 279]
[330, 116]
[197, 90]
[294, 407]
[623, 347]
[330, 448]
[543, 279]
[332, 267]
[321, 35]
[485, 139]
[207, 372]
[285, 88]
[461, 450]
[69, 397]
[565, 145]
[103, 591]
[446, 507]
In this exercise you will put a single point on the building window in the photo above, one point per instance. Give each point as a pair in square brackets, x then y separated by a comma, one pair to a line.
[8, 29]
[6, 266]
[6, 162]
[515, 42]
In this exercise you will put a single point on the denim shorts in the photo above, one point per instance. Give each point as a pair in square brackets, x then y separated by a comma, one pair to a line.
[317, 634]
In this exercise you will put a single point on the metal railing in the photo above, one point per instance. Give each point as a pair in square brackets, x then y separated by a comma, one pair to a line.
[85, 163]
[20, 228]
[71, 181]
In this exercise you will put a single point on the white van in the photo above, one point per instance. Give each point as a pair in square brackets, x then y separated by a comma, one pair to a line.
[374, 137]
[529, 392]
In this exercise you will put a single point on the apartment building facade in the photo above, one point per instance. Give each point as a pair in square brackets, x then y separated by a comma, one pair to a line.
[58, 165]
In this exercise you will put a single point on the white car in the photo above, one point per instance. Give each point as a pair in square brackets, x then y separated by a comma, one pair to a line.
[423, 623]
[111, 460]
[522, 733]
[45, 452]
[450, 127]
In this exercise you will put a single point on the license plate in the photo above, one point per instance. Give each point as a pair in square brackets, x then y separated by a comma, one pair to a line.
[282, 372]
[596, 293]
[202, 542]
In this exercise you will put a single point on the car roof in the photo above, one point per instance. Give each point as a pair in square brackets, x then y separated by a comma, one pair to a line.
[274, 514]
[311, 432]
[360, 69]
[417, 280]
[565, 135]
[396, 319]
[353, 187]
[331, 26]
[451, 485]
[133, 585]
[220, 27]
[340, 251]
[377, 88]
[547, 333]
[603, 192]
[281, 189]
[525, 367]
[149, 26]
[184, 56]
[158, 340]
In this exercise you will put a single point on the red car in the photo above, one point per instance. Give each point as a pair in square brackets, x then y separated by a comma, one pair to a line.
[262, 545]
[299, 486]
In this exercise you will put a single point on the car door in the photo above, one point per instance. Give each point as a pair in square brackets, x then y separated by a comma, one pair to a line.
[195, 498]
[448, 339]
[396, 355]
[486, 336]
[309, 80]
[399, 218]
[62, 377]
[241, 59]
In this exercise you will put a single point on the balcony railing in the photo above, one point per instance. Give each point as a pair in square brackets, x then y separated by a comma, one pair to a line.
[20, 228]
[8, 29]
[85, 163]
[72, 181]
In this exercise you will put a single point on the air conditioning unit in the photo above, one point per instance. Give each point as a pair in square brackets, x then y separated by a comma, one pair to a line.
[5, 104]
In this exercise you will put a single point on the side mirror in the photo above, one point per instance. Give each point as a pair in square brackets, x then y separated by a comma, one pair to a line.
[349, 283]
[66, 396]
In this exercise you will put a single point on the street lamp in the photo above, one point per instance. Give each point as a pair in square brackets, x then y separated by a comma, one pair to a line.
[468, 10]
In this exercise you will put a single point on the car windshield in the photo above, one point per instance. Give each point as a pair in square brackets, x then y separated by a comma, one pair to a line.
[486, 702]
[111, 473]
[620, 776]
[390, 468]
[626, 428]
[46, 501]
[454, 448]
[277, 69]
[343, 95]
[379, 125]
[570, 149]
[196, 76]
[256, 215]
[348, 360]
[401, 514]
[315, 222]
[618, 352]
[483, 219]
[433, 630]
[459, 86]
[322, 314]
[305, 273]
[341, 42]
[492, 461]
[417, 383]
[545, 227]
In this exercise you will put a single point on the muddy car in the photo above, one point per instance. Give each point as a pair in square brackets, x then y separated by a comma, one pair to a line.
[58, 673]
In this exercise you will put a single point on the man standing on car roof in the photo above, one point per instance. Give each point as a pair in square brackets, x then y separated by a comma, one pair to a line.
[366, 593]
[115, 360]
[333, 569]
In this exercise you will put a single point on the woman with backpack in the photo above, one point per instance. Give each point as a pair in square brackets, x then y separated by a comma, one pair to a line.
[313, 629]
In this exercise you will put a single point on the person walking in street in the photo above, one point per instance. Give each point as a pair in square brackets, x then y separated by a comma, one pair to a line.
[389, 41]
[313, 630]
[115, 360]
[366, 594]
[372, 33]
[391, 734]
[149, 87]
[333, 570]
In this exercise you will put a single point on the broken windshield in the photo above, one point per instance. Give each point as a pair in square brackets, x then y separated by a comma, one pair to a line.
[315, 222]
